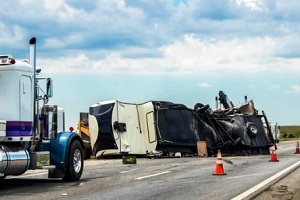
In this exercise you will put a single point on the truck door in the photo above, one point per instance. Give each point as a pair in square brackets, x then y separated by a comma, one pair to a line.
[26, 105]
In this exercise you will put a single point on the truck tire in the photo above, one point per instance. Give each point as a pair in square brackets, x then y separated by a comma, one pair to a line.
[74, 165]
[252, 129]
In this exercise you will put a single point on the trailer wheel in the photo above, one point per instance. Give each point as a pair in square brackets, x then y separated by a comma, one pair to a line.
[74, 165]
[252, 129]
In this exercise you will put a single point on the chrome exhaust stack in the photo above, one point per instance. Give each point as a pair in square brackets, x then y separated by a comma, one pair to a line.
[32, 61]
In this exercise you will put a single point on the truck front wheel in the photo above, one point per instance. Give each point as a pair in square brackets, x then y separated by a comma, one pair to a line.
[74, 165]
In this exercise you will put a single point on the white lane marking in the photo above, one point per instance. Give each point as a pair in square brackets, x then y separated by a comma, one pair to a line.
[151, 175]
[123, 172]
[27, 175]
[267, 181]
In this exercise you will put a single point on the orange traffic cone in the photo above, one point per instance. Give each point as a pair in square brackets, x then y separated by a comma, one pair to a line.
[297, 148]
[273, 156]
[219, 165]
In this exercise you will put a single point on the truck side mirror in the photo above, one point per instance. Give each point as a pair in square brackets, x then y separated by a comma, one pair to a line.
[49, 89]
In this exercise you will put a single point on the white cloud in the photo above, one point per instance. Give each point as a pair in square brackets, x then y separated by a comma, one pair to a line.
[205, 85]
[294, 89]
[53, 43]
[66, 65]
[274, 87]
[252, 4]
[147, 37]
[191, 55]
[11, 36]
[251, 86]
[53, 4]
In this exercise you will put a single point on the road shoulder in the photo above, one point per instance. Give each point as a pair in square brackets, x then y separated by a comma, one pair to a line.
[284, 189]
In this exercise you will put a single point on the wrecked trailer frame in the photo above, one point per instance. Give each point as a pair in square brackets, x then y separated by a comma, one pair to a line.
[235, 130]
[237, 133]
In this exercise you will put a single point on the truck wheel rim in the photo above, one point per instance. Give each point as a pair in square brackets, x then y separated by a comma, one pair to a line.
[77, 161]
[253, 128]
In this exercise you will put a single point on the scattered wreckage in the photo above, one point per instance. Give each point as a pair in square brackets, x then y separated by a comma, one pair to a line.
[160, 128]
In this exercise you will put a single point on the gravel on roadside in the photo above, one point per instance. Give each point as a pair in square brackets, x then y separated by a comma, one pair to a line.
[287, 188]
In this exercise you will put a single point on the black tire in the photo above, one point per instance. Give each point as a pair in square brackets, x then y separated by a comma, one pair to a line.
[2, 178]
[74, 165]
[252, 129]
[198, 106]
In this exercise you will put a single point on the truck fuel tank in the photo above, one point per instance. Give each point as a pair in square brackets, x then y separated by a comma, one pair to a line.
[13, 160]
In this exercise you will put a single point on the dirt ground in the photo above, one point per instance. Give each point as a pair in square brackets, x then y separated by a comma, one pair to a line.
[285, 189]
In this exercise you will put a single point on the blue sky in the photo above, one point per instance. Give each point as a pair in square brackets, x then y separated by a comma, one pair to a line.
[179, 51]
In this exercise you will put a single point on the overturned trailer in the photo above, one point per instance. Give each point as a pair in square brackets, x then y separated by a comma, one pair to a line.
[160, 127]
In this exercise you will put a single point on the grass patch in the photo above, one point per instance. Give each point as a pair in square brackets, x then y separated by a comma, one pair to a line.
[288, 133]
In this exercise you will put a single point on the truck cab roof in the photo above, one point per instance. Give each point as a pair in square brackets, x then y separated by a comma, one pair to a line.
[8, 63]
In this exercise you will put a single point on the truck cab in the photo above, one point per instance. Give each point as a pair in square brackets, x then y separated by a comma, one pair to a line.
[32, 133]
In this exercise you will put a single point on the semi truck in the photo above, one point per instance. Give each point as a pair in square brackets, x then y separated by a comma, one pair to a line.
[32, 133]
